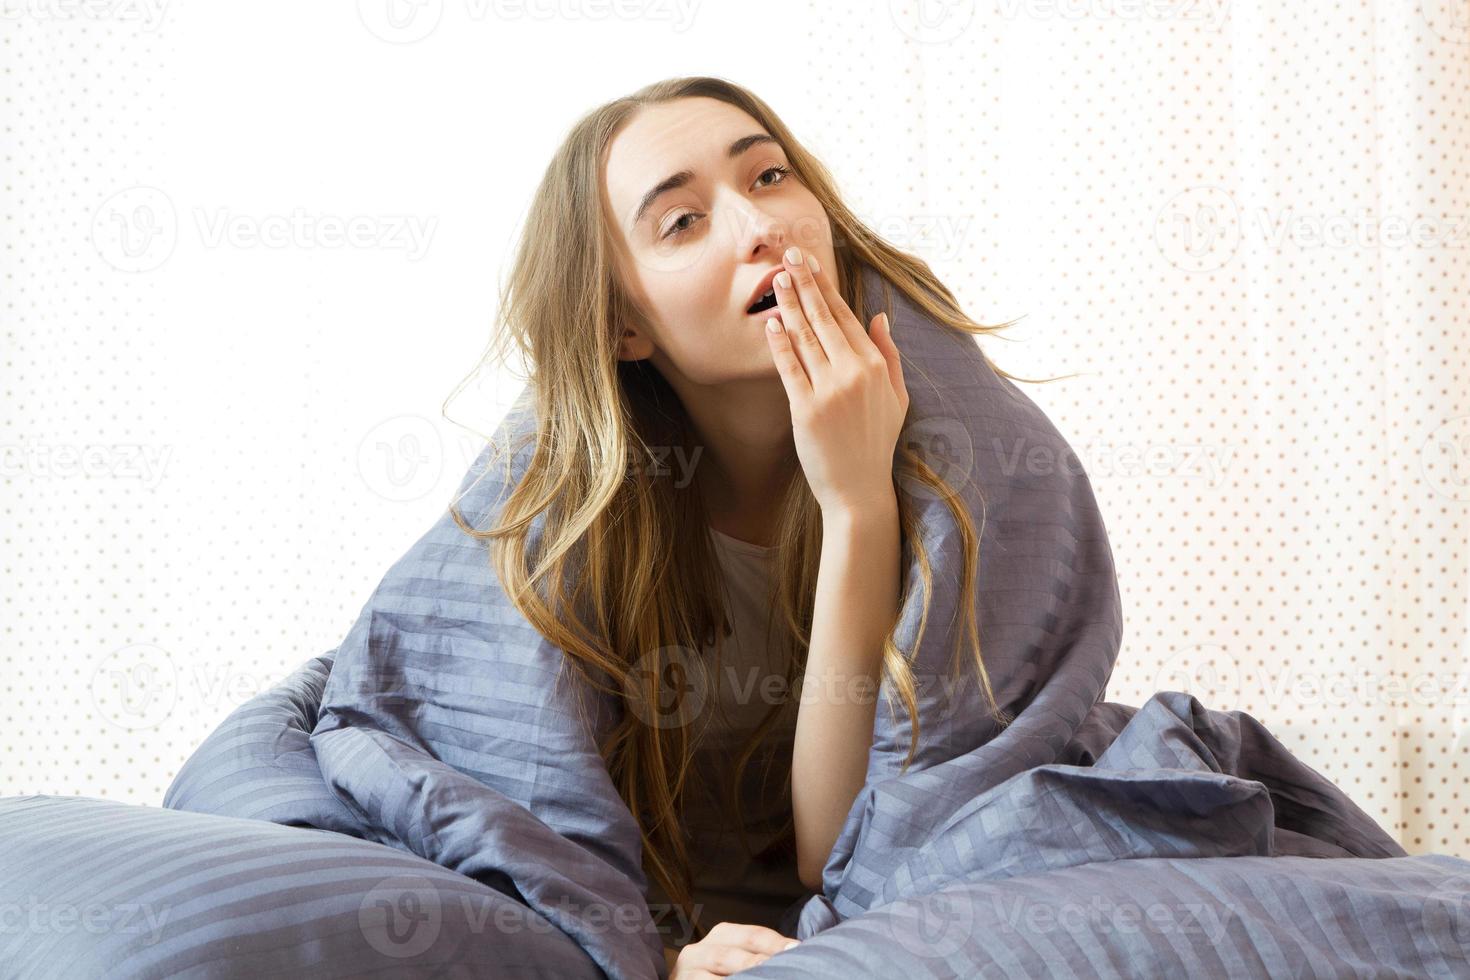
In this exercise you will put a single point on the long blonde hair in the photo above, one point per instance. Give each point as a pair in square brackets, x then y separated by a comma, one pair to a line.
[609, 560]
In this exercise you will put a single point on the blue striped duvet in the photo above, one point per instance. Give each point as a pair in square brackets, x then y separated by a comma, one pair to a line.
[423, 801]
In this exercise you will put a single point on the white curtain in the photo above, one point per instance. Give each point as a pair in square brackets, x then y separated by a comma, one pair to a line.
[250, 250]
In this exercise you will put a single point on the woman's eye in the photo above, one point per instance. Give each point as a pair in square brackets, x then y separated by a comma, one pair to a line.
[783, 171]
[676, 229]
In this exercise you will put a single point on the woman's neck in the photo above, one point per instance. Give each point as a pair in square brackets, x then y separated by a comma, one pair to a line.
[745, 511]
[747, 459]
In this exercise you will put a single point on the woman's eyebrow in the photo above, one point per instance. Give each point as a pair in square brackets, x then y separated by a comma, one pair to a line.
[683, 177]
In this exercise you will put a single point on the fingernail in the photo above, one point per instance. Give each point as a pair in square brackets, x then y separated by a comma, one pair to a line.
[811, 260]
[793, 255]
[783, 279]
[790, 945]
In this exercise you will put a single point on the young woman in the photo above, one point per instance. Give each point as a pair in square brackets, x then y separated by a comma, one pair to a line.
[709, 525]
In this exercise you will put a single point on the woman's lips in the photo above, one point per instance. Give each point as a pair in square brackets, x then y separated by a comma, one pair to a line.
[767, 284]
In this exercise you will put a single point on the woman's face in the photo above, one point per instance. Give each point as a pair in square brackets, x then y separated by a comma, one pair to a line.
[693, 254]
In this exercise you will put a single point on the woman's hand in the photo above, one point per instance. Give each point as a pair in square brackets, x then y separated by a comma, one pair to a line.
[847, 393]
[728, 948]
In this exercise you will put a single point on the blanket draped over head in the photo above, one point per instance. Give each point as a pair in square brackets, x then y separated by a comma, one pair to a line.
[447, 726]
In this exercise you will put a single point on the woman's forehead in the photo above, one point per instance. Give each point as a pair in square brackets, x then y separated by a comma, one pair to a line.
[662, 140]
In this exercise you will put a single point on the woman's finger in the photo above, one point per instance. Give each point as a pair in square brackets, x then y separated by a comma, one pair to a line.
[728, 948]
[693, 973]
[852, 327]
[804, 337]
[687, 972]
[724, 960]
[788, 365]
[814, 306]
[882, 329]
[758, 938]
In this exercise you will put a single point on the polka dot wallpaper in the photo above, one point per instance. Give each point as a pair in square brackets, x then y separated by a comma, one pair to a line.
[249, 252]
[1248, 229]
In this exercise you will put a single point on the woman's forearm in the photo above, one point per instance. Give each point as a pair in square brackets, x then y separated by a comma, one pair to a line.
[856, 600]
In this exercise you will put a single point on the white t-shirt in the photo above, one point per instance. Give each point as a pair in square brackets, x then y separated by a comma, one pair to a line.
[731, 884]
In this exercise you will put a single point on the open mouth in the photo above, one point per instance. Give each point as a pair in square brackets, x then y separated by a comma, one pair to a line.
[766, 302]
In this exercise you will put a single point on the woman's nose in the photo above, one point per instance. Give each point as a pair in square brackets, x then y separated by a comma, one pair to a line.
[762, 229]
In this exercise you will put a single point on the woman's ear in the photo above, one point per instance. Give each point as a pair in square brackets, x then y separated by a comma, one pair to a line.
[635, 343]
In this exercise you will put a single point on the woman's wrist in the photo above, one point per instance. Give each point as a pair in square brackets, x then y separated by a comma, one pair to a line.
[863, 515]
